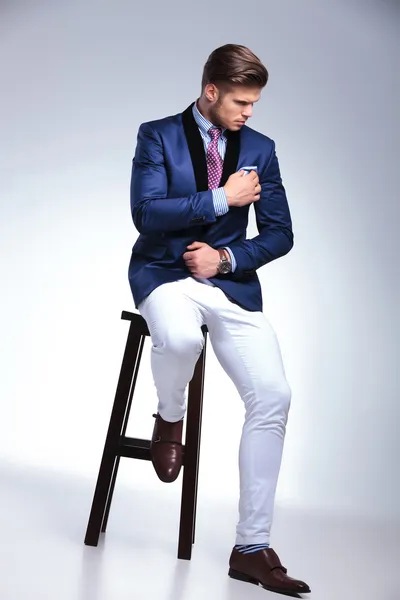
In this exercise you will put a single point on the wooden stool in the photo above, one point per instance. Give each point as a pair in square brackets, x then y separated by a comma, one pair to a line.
[117, 444]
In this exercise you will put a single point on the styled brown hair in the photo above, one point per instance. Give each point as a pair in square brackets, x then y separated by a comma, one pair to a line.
[233, 64]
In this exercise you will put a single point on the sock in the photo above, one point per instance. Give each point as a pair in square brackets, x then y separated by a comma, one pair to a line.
[250, 548]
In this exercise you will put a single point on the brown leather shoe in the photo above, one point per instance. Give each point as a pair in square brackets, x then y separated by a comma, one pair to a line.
[166, 449]
[264, 568]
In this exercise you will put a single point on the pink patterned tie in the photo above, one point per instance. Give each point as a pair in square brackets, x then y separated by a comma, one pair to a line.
[214, 161]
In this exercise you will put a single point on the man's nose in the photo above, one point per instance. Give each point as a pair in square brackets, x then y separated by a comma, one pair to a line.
[248, 111]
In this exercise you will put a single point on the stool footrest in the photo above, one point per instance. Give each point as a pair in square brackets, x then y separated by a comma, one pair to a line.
[134, 448]
[138, 448]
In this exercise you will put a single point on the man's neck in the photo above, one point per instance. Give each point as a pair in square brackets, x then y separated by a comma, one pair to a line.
[202, 107]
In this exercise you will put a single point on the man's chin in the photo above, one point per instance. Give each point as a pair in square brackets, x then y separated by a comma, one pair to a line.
[235, 126]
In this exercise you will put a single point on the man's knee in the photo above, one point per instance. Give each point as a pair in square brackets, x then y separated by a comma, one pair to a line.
[182, 343]
[270, 400]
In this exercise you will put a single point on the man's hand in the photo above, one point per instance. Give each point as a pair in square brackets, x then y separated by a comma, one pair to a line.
[202, 260]
[241, 189]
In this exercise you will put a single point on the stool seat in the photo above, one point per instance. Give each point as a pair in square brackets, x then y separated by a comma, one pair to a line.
[141, 325]
[119, 445]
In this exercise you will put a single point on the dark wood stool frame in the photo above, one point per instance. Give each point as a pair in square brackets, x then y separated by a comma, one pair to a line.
[117, 445]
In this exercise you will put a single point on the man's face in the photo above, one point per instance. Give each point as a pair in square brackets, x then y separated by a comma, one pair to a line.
[231, 108]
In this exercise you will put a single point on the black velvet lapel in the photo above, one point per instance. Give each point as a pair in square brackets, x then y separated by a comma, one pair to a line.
[231, 155]
[198, 155]
[196, 149]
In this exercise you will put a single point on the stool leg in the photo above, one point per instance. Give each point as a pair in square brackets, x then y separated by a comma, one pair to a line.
[199, 422]
[125, 424]
[108, 467]
[110, 495]
[191, 460]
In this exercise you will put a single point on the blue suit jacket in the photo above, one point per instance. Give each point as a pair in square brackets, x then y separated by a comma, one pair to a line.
[172, 207]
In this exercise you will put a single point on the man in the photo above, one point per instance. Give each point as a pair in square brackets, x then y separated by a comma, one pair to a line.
[194, 177]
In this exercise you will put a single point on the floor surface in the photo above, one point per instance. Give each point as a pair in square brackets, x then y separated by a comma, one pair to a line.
[43, 519]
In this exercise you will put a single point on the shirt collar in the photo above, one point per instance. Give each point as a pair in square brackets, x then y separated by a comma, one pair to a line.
[203, 123]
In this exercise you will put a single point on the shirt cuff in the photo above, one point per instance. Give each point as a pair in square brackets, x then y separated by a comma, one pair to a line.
[221, 206]
[233, 261]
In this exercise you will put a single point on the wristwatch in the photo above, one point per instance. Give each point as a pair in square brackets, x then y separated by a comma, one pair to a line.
[225, 265]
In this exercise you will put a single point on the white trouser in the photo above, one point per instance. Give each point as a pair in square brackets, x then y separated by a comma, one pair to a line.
[247, 348]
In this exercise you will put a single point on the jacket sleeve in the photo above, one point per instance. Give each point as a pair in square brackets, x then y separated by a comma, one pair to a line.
[152, 210]
[274, 225]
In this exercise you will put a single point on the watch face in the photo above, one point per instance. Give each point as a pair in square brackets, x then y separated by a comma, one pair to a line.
[225, 267]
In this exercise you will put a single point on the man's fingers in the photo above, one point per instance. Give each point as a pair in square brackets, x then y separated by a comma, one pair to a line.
[189, 258]
[196, 245]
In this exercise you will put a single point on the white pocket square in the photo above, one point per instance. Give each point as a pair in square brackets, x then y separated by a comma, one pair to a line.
[249, 168]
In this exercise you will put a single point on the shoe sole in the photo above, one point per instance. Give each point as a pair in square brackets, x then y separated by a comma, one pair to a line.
[246, 578]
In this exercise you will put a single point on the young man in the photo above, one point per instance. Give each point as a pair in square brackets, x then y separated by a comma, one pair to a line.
[194, 177]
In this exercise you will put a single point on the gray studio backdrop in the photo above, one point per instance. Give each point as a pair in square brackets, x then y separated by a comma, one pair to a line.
[77, 79]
